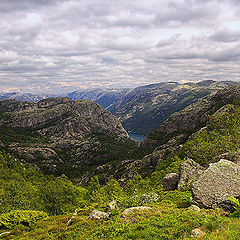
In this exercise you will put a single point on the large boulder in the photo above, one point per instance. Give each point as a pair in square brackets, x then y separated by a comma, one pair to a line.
[217, 184]
[170, 181]
[190, 171]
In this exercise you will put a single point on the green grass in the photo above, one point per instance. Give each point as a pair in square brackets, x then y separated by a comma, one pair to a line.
[164, 221]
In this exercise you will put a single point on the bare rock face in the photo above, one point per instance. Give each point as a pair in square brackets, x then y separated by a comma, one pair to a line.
[53, 101]
[61, 135]
[170, 181]
[218, 183]
[190, 171]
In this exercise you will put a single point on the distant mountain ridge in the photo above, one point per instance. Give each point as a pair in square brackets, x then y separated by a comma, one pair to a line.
[141, 109]
[26, 97]
[180, 128]
[182, 124]
[105, 97]
[144, 108]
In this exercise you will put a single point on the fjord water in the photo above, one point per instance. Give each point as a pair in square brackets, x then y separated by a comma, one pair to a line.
[136, 137]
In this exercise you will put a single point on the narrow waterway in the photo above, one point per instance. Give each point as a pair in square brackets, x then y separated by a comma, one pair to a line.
[136, 137]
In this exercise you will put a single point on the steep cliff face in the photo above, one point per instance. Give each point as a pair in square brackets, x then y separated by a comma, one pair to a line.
[182, 124]
[144, 108]
[61, 135]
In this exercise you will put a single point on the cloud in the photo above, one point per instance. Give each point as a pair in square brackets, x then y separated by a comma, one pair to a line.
[226, 35]
[67, 44]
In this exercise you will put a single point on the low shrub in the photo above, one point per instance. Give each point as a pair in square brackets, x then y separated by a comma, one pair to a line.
[24, 217]
[236, 206]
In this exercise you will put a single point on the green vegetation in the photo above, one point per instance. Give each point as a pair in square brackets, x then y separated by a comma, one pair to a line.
[236, 206]
[10, 135]
[38, 206]
[169, 217]
[165, 220]
[24, 188]
[16, 217]
[220, 136]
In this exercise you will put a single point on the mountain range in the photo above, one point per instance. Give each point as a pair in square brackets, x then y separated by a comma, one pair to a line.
[142, 109]
[59, 156]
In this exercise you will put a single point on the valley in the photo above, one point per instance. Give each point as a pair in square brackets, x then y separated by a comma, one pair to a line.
[67, 155]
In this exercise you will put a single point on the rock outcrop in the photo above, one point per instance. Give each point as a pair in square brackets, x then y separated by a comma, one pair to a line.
[113, 205]
[197, 233]
[217, 184]
[189, 172]
[60, 135]
[170, 181]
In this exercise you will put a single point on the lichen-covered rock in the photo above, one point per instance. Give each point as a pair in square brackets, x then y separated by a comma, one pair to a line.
[113, 205]
[197, 233]
[194, 208]
[190, 171]
[132, 210]
[217, 184]
[95, 214]
[170, 181]
[149, 197]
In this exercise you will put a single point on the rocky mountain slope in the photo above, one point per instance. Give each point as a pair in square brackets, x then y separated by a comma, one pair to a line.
[182, 124]
[175, 134]
[105, 97]
[60, 135]
[144, 108]
[191, 178]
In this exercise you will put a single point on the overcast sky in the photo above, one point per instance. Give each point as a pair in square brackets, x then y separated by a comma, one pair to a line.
[54, 44]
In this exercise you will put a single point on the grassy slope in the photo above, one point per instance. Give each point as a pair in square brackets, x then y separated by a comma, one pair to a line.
[164, 221]
[169, 218]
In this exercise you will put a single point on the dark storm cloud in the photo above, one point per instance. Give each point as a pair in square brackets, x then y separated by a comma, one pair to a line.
[104, 43]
